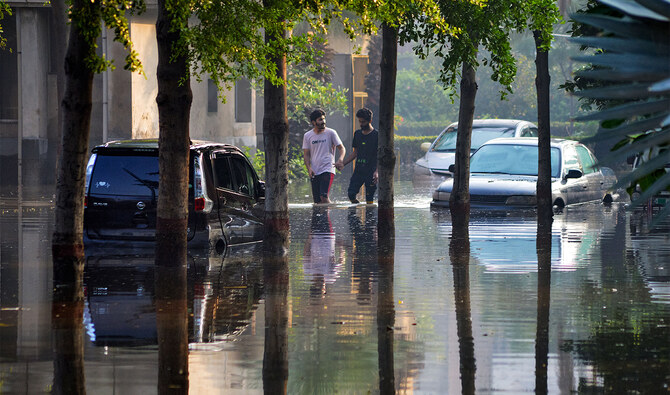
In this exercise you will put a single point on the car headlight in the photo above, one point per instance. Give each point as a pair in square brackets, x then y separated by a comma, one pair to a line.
[521, 201]
[440, 196]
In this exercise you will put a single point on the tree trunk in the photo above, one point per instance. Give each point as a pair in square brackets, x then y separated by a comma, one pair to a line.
[459, 201]
[386, 151]
[174, 106]
[275, 139]
[67, 240]
[542, 80]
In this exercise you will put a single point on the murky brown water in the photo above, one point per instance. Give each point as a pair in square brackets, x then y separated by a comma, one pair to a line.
[434, 317]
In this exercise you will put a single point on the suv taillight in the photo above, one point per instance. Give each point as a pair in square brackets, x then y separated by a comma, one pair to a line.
[85, 201]
[199, 204]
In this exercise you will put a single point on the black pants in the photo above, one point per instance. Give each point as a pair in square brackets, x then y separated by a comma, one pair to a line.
[321, 186]
[360, 177]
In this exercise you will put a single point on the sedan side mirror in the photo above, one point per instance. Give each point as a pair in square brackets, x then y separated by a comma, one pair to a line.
[425, 147]
[452, 168]
[261, 189]
[573, 173]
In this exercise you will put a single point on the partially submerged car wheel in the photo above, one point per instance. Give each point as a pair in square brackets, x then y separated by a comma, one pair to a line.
[607, 200]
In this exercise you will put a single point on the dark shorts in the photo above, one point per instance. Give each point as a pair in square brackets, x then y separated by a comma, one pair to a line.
[321, 185]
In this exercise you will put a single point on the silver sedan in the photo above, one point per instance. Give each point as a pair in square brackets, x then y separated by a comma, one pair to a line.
[503, 175]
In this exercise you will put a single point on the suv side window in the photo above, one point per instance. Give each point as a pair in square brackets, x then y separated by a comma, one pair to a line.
[244, 178]
[222, 174]
[532, 132]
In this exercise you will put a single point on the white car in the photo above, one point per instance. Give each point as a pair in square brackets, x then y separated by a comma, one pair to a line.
[434, 165]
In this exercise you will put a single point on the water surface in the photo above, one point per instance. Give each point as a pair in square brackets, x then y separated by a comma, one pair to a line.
[589, 313]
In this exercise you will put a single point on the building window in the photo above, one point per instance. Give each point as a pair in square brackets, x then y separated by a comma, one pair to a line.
[242, 100]
[212, 96]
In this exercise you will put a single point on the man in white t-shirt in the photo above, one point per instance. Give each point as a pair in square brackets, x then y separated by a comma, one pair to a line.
[318, 147]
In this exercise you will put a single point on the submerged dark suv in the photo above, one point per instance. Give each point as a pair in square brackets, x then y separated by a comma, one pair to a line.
[225, 196]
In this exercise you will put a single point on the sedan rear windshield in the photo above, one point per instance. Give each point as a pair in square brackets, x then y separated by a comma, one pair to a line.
[511, 159]
[447, 141]
[128, 175]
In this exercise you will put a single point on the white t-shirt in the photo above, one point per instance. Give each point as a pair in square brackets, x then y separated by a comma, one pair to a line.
[321, 149]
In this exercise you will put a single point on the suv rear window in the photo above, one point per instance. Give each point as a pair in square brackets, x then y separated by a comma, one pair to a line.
[130, 175]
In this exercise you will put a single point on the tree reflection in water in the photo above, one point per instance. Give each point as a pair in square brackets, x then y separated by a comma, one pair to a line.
[543, 247]
[385, 304]
[276, 280]
[172, 326]
[459, 251]
[67, 313]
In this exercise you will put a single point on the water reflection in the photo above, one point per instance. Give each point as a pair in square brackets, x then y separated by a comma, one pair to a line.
[543, 248]
[66, 320]
[588, 314]
[172, 327]
[459, 253]
[385, 301]
[276, 280]
[319, 262]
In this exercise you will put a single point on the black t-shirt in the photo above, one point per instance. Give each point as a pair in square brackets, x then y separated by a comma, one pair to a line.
[366, 149]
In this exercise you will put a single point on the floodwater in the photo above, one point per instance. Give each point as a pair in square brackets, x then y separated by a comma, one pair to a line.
[587, 310]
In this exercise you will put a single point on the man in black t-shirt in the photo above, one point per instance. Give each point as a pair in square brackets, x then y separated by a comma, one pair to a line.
[364, 151]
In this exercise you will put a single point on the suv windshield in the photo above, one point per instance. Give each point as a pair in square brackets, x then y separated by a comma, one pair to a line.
[480, 135]
[128, 175]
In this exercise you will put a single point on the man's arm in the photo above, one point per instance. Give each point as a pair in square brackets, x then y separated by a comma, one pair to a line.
[307, 158]
[351, 157]
[339, 164]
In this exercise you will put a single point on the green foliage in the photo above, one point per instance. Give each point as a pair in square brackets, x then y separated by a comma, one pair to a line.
[4, 10]
[629, 76]
[296, 165]
[87, 16]
[409, 147]
[419, 95]
[420, 128]
[257, 159]
[306, 91]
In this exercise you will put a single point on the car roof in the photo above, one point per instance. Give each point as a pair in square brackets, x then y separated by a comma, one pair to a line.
[494, 122]
[153, 144]
[528, 141]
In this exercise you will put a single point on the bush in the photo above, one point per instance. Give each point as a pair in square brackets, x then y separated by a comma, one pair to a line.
[420, 128]
[409, 148]
[296, 165]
